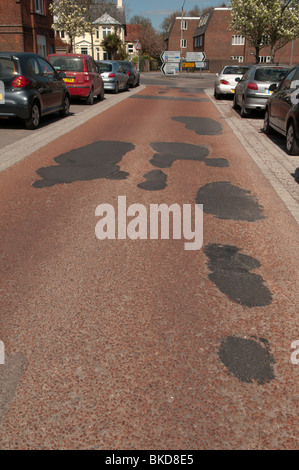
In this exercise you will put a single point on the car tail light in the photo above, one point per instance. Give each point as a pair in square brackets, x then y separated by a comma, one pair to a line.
[224, 82]
[252, 86]
[111, 75]
[20, 82]
[128, 73]
[86, 76]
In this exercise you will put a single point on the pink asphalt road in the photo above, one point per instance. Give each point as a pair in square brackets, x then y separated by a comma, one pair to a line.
[141, 344]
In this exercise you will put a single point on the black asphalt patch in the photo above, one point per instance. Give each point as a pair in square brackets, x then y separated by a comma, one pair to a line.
[155, 181]
[231, 274]
[247, 359]
[94, 161]
[167, 98]
[227, 201]
[168, 152]
[200, 125]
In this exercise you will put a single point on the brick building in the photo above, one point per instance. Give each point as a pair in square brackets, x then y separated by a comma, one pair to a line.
[180, 35]
[26, 26]
[211, 34]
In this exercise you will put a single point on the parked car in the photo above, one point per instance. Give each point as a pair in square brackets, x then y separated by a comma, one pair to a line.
[113, 74]
[226, 82]
[81, 75]
[133, 73]
[30, 88]
[252, 90]
[282, 110]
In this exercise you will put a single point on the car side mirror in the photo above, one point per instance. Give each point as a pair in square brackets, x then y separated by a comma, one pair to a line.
[238, 79]
[61, 75]
[273, 87]
[217, 74]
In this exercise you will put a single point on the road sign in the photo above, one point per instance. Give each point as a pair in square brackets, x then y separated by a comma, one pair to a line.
[171, 56]
[170, 68]
[195, 56]
[138, 46]
[200, 65]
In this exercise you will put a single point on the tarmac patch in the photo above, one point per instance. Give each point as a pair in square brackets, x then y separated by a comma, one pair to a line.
[168, 152]
[200, 125]
[94, 161]
[155, 181]
[227, 201]
[231, 275]
[247, 359]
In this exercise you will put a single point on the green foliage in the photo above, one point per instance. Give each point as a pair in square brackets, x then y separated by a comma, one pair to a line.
[111, 44]
[276, 20]
[69, 17]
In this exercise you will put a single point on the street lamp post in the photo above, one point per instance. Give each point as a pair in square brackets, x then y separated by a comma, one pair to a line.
[182, 34]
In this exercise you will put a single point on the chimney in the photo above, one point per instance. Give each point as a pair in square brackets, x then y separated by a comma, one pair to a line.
[119, 3]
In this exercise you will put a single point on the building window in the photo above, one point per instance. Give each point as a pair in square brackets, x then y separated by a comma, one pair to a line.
[130, 48]
[98, 53]
[39, 6]
[84, 50]
[61, 34]
[106, 30]
[184, 25]
[265, 59]
[97, 33]
[183, 42]
[238, 40]
[239, 58]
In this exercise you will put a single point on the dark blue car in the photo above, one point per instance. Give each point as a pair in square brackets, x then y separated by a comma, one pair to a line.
[282, 110]
[31, 88]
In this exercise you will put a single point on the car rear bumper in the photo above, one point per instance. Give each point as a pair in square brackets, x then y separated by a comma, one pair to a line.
[79, 91]
[256, 101]
[225, 89]
[109, 85]
[16, 104]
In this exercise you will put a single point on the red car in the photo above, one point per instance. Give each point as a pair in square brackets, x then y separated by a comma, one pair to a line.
[82, 77]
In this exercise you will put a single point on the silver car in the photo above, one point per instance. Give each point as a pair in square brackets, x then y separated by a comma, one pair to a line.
[252, 91]
[226, 82]
[114, 76]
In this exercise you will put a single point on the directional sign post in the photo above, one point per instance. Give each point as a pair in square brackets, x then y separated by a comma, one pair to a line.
[195, 56]
[171, 62]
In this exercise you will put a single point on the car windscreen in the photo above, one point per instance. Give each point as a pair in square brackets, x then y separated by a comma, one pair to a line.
[234, 70]
[104, 67]
[8, 67]
[65, 63]
[266, 74]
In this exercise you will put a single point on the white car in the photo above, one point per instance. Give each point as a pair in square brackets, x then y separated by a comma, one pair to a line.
[225, 82]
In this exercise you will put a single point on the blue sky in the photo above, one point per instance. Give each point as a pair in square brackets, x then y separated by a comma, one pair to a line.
[156, 10]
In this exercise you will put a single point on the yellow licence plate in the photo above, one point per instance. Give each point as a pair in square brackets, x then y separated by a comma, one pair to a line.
[233, 91]
[69, 80]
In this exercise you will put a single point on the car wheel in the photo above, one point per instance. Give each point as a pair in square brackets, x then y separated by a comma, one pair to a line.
[216, 95]
[244, 111]
[291, 142]
[267, 129]
[138, 82]
[235, 106]
[127, 87]
[89, 99]
[65, 106]
[34, 119]
[116, 88]
[101, 96]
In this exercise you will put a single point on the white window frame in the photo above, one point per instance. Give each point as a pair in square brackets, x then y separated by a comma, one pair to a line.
[264, 59]
[239, 58]
[238, 40]
[106, 30]
[39, 7]
[183, 43]
[184, 25]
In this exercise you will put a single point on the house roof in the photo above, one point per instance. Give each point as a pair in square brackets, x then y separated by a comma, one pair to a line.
[106, 19]
[133, 32]
[111, 9]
